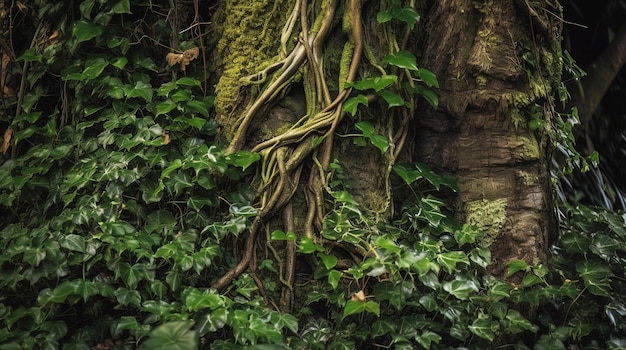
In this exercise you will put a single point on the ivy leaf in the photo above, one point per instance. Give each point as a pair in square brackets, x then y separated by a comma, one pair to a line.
[242, 159]
[392, 99]
[356, 307]
[376, 83]
[429, 78]
[408, 175]
[122, 6]
[126, 296]
[429, 95]
[515, 266]
[484, 327]
[403, 59]
[427, 338]
[172, 336]
[467, 234]
[333, 278]
[307, 246]
[377, 141]
[408, 15]
[351, 104]
[73, 242]
[329, 260]
[211, 322]
[383, 16]
[165, 107]
[279, 235]
[449, 260]
[516, 323]
[596, 277]
[460, 288]
[83, 30]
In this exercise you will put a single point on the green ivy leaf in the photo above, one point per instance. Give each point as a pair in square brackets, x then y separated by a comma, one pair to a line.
[596, 277]
[329, 260]
[515, 266]
[403, 59]
[392, 99]
[242, 159]
[73, 242]
[83, 30]
[30, 55]
[378, 141]
[279, 235]
[351, 104]
[484, 327]
[127, 297]
[429, 78]
[199, 107]
[211, 322]
[383, 16]
[427, 338]
[449, 260]
[333, 278]
[172, 336]
[388, 244]
[122, 6]
[467, 234]
[356, 307]
[195, 299]
[307, 246]
[165, 107]
[516, 323]
[460, 288]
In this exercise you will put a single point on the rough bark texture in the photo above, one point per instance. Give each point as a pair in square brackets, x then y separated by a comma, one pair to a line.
[493, 62]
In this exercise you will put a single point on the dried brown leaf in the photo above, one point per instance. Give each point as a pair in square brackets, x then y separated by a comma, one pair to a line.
[359, 296]
[182, 58]
[6, 141]
[173, 58]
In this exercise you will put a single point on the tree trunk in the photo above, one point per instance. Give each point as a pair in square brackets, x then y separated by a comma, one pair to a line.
[283, 69]
[496, 64]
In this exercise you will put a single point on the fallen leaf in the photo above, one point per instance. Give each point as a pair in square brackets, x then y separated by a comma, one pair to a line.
[359, 296]
[7, 92]
[182, 58]
[6, 141]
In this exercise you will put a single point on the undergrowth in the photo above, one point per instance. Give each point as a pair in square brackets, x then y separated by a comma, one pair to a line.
[120, 209]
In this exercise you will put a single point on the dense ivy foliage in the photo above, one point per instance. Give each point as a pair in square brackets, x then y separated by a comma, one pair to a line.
[119, 209]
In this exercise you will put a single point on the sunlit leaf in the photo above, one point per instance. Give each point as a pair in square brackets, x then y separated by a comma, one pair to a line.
[402, 59]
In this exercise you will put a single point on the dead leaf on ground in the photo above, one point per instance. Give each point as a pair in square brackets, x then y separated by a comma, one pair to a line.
[6, 141]
[182, 58]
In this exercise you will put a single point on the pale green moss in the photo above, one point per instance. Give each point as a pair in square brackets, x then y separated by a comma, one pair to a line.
[529, 147]
[487, 215]
[246, 32]
[481, 80]
[518, 118]
[529, 179]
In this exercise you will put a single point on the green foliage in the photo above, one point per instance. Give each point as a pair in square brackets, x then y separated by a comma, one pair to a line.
[119, 210]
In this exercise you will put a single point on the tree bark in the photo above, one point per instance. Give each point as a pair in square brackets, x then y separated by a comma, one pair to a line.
[495, 61]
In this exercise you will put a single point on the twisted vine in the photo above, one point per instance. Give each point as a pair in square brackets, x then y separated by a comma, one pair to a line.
[283, 155]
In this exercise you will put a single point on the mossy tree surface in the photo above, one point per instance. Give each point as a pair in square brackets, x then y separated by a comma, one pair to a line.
[496, 64]
[282, 71]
